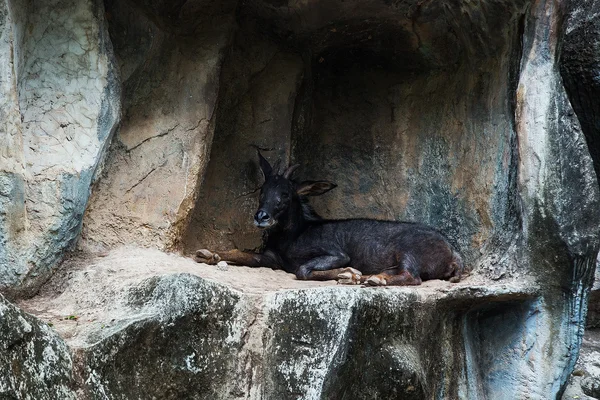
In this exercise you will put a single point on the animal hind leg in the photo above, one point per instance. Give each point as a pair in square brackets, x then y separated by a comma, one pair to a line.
[404, 278]
[346, 276]
[349, 276]
[405, 275]
[457, 268]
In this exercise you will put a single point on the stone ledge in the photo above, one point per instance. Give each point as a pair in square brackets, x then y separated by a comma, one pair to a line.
[95, 290]
[141, 322]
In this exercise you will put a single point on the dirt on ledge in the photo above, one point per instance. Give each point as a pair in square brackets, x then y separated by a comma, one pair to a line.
[86, 292]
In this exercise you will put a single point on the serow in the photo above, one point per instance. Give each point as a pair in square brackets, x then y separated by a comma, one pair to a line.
[351, 251]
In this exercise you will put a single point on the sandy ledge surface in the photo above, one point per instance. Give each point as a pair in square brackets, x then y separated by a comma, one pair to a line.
[88, 291]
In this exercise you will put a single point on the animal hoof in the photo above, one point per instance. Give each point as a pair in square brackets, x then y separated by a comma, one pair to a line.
[376, 281]
[207, 257]
[349, 277]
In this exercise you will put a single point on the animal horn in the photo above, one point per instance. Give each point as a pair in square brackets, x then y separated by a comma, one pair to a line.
[290, 170]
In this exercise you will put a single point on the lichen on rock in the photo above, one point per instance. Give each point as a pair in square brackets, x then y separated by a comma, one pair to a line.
[35, 362]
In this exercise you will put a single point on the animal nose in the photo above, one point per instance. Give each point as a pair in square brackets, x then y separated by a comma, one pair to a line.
[262, 216]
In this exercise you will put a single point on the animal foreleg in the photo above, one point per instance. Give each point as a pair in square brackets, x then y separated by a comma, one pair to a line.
[324, 268]
[235, 257]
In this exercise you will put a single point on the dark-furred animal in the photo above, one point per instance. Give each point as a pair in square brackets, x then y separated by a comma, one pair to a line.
[367, 251]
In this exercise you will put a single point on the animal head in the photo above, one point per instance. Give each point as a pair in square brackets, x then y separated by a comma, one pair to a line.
[279, 192]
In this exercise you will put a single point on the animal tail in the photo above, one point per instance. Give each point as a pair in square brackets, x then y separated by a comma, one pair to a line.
[458, 268]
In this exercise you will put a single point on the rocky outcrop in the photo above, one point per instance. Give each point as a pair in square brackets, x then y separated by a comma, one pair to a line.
[35, 363]
[61, 104]
[146, 324]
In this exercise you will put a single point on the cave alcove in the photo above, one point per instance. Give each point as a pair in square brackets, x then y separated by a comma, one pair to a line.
[409, 113]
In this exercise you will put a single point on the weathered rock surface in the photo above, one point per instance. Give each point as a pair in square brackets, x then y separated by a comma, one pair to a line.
[170, 59]
[35, 363]
[580, 69]
[580, 66]
[60, 103]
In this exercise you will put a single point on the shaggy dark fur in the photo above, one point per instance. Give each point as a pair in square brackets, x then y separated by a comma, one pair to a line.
[299, 241]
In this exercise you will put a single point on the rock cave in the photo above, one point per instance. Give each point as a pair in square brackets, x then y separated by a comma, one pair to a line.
[129, 142]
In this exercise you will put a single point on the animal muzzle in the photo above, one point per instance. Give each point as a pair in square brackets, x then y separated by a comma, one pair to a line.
[262, 219]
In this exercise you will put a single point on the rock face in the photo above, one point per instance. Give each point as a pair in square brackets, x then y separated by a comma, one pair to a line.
[170, 60]
[35, 362]
[580, 68]
[476, 117]
[60, 103]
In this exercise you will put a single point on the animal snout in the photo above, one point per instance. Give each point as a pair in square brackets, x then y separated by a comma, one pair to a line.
[262, 216]
[262, 219]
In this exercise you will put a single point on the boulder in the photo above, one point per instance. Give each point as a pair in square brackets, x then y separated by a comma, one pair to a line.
[585, 380]
[35, 362]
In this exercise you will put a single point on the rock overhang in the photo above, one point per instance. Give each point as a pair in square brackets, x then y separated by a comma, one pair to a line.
[408, 107]
[422, 35]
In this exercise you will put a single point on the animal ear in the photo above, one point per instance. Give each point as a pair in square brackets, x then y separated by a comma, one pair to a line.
[265, 167]
[314, 188]
[290, 170]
